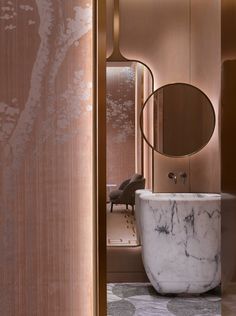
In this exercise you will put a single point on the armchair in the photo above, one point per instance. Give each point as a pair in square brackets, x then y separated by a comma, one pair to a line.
[126, 192]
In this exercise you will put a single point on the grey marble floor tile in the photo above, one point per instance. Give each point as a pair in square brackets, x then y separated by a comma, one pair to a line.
[140, 299]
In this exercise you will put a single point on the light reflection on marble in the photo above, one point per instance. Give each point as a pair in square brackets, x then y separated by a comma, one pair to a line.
[140, 299]
[180, 236]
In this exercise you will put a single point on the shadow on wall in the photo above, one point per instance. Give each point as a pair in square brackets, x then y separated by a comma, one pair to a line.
[228, 171]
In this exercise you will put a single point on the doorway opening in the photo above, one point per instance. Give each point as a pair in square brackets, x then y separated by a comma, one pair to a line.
[128, 83]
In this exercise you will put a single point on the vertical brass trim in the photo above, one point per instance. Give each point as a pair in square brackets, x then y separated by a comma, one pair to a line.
[99, 125]
[153, 174]
[116, 54]
[136, 110]
[141, 138]
[94, 193]
[94, 166]
[190, 41]
[116, 26]
[139, 100]
[153, 153]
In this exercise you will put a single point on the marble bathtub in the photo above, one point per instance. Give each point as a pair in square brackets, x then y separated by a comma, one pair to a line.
[180, 237]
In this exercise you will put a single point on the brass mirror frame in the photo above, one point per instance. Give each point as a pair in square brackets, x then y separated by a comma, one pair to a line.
[146, 102]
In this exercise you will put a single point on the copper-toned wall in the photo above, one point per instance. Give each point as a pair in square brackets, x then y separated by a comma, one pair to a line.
[228, 118]
[180, 42]
[46, 218]
[120, 97]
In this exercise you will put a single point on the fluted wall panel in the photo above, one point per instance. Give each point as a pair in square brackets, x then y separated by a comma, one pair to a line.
[46, 237]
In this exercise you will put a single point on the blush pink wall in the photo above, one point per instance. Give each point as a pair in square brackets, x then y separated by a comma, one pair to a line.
[46, 158]
[180, 41]
[120, 123]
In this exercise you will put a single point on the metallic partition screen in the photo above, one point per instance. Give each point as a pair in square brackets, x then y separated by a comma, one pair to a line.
[228, 153]
[46, 236]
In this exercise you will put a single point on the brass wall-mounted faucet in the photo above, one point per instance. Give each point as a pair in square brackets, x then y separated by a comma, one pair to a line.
[172, 176]
[184, 176]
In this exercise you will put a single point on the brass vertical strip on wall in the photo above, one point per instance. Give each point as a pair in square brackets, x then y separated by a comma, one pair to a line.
[100, 152]
[153, 182]
[142, 140]
[116, 54]
[116, 26]
[94, 166]
[190, 41]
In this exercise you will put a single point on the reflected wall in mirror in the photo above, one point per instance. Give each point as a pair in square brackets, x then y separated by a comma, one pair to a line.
[182, 117]
[128, 85]
[120, 100]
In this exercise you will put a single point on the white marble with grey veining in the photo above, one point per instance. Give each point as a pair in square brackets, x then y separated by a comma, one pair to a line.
[180, 236]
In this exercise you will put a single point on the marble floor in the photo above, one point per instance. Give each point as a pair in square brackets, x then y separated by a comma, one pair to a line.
[140, 299]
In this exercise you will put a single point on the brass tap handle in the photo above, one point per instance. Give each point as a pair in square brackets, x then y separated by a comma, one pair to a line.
[184, 176]
[173, 176]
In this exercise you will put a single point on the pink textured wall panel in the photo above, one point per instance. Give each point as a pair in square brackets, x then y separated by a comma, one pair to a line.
[180, 41]
[46, 158]
[120, 123]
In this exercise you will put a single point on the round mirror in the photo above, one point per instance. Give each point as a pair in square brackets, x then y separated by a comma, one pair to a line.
[177, 120]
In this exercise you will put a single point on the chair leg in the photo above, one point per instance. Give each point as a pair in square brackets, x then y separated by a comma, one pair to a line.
[127, 206]
[133, 209]
[111, 207]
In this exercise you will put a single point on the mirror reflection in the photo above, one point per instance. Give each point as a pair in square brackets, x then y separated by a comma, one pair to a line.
[182, 120]
[128, 84]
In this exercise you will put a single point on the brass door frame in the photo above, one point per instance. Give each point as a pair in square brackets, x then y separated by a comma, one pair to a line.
[99, 149]
[99, 135]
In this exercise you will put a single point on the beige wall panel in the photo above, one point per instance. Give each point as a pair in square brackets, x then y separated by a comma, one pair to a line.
[166, 35]
[228, 29]
[109, 26]
[46, 158]
[157, 36]
[206, 74]
[162, 183]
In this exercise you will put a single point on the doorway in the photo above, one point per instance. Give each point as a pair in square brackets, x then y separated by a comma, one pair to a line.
[127, 85]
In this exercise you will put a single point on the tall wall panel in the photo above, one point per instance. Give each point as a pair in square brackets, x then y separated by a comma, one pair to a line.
[180, 41]
[46, 237]
[228, 152]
